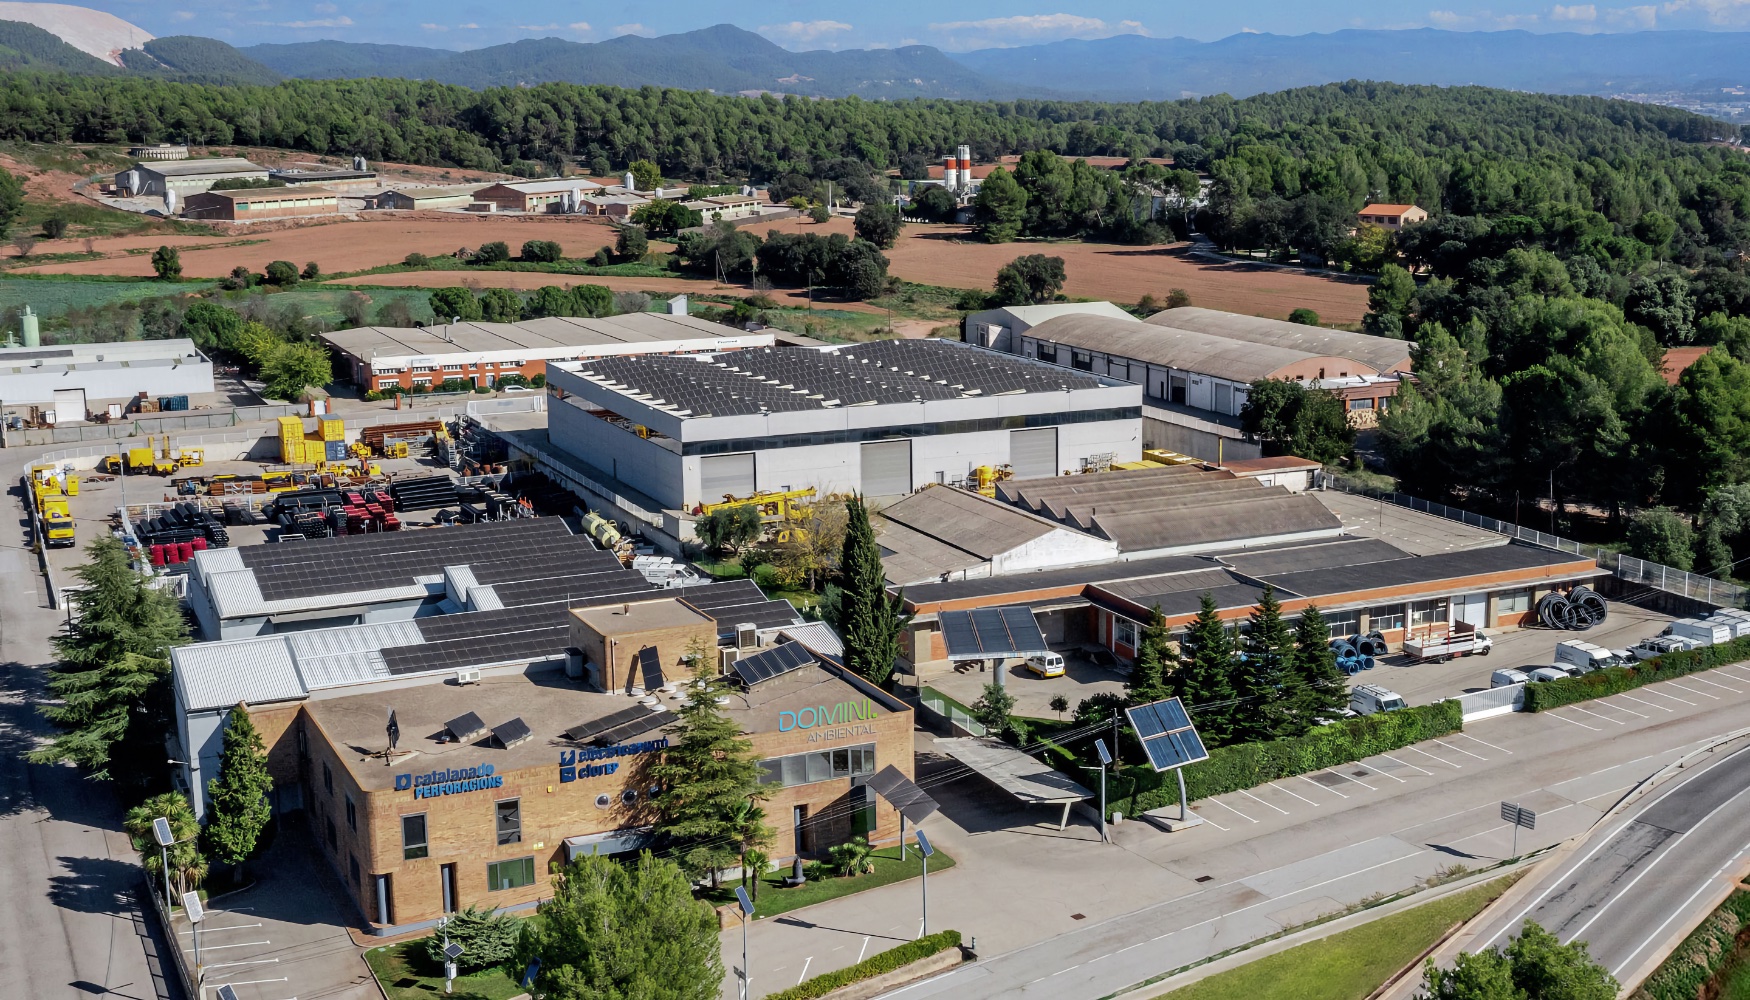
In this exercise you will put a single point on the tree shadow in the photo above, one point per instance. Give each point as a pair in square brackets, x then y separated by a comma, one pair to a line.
[95, 885]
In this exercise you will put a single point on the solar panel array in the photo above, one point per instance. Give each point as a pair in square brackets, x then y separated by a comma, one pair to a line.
[577, 590]
[774, 662]
[393, 559]
[738, 602]
[903, 794]
[475, 651]
[650, 668]
[618, 727]
[1167, 734]
[509, 734]
[991, 632]
[465, 727]
[793, 379]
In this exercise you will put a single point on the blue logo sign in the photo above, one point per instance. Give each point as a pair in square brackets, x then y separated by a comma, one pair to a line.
[574, 764]
[449, 781]
[835, 715]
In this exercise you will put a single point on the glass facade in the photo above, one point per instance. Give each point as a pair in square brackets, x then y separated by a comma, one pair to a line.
[513, 874]
[818, 765]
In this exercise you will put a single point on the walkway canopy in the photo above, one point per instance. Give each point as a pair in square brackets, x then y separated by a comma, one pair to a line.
[1016, 773]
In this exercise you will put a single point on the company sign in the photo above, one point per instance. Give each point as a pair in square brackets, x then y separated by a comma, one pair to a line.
[574, 764]
[835, 715]
[449, 781]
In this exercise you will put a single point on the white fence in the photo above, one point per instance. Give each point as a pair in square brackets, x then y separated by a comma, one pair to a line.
[1495, 701]
[956, 716]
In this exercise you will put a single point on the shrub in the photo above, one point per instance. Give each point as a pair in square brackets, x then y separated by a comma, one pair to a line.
[1701, 956]
[1248, 765]
[869, 968]
[1541, 696]
[538, 381]
[542, 251]
[603, 257]
[54, 227]
[631, 243]
[496, 252]
[486, 940]
[418, 260]
[283, 273]
[766, 575]
[312, 271]
[1304, 317]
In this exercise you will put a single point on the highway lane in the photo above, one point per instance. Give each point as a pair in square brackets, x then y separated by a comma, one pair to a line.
[1642, 880]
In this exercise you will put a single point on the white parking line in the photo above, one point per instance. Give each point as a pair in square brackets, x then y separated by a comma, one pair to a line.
[1575, 722]
[1383, 771]
[1683, 701]
[1642, 701]
[1698, 694]
[1442, 760]
[250, 982]
[1460, 750]
[1595, 715]
[258, 961]
[1486, 743]
[804, 973]
[1619, 708]
[1315, 784]
[208, 930]
[1340, 774]
[1205, 819]
[1740, 669]
[222, 947]
[1231, 809]
[1297, 795]
[863, 949]
[1405, 763]
[1261, 802]
[1704, 680]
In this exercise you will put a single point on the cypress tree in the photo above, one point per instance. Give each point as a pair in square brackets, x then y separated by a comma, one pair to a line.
[1148, 678]
[870, 620]
[1266, 682]
[1324, 689]
[237, 809]
[1203, 681]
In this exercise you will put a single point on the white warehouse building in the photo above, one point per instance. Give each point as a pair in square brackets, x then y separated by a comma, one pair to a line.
[881, 419]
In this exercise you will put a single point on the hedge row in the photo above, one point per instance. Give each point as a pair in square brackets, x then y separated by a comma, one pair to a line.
[869, 968]
[1248, 765]
[1541, 696]
[1702, 955]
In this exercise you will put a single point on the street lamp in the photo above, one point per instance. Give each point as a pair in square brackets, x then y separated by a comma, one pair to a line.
[1105, 762]
[746, 905]
[926, 850]
[162, 833]
[191, 905]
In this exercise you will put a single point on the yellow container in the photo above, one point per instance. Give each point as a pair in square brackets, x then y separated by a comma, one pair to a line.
[331, 428]
[291, 427]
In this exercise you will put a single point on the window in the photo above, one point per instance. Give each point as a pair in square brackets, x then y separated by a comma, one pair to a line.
[510, 821]
[1361, 404]
[352, 814]
[1513, 602]
[453, 368]
[413, 843]
[1343, 623]
[327, 778]
[1081, 361]
[1048, 353]
[1124, 632]
[513, 874]
[333, 841]
[819, 765]
[422, 381]
[1426, 613]
[424, 368]
[1385, 618]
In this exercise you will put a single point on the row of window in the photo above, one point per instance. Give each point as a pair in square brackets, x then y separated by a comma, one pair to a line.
[1384, 618]
[818, 765]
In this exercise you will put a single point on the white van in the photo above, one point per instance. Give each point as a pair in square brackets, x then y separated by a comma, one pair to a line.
[1507, 678]
[1584, 657]
[1366, 699]
[1549, 674]
[1737, 621]
[1702, 633]
[1046, 664]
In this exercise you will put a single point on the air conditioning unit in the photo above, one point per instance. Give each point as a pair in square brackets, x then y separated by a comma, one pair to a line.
[747, 636]
[468, 675]
[727, 659]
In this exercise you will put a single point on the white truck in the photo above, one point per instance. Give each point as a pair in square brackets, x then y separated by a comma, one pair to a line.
[1580, 657]
[1659, 645]
[1738, 621]
[1699, 631]
[1367, 699]
[1464, 640]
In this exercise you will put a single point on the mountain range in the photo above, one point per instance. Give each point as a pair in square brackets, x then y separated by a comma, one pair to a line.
[727, 59]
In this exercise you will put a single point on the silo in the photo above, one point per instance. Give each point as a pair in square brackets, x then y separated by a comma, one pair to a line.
[951, 173]
[33, 335]
[630, 182]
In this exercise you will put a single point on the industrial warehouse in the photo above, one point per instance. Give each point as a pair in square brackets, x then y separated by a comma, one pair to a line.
[526, 727]
[881, 419]
[74, 378]
[381, 357]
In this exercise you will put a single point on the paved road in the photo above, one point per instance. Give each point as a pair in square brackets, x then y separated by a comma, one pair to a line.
[1643, 880]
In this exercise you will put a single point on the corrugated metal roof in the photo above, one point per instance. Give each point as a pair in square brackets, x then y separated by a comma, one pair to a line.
[817, 636]
[1382, 354]
[1032, 315]
[201, 168]
[484, 599]
[1220, 357]
[968, 521]
[213, 675]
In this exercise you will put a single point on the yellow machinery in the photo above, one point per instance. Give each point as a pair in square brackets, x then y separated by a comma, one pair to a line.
[985, 478]
[51, 487]
[1132, 466]
[602, 530]
[54, 479]
[1167, 457]
[773, 505]
[187, 458]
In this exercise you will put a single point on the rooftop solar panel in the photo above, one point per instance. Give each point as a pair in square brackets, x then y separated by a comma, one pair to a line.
[588, 730]
[984, 633]
[1167, 734]
[650, 668]
[465, 727]
[774, 662]
[635, 727]
[511, 733]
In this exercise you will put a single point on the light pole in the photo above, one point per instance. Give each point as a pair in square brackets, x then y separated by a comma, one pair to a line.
[926, 850]
[1105, 762]
[162, 833]
[746, 905]
[191, 905]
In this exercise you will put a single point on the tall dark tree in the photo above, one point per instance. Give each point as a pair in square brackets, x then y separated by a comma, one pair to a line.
[1029, 280]
[1266, 682]
[872, 620]
[879, 223]
[1324, 689]
[237, 806]
[1148, 676]
[707, 774]
[1001, 207]
[1204, 678]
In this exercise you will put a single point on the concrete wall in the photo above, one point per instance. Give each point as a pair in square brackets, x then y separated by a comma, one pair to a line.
[1167, 431]
[637, 462]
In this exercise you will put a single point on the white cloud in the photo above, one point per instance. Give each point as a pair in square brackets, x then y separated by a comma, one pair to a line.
[1724, 13]
[632, 29]
[1448, 19]
[325, 8]
[322, 22]
[435, 27]
[1023, 29]
[803, 32]
[538, 27]
[182, 15]
[1645, 16]
[1516, 20]
[1581, 12]
[580, 26]
[468, 27]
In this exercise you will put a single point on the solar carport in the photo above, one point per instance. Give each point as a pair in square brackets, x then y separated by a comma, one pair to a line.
[995, 634]
[1014, 772]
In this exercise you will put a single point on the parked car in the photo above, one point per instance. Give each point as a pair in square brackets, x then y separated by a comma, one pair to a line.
[1366, 699]
[1659, 645]
[1046, 664]
[1549, 674]
[1507, 678]
[517, 388]
[1580, 657]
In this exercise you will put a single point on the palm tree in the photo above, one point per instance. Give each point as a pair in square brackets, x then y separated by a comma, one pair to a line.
[751, 834]
[188, 868]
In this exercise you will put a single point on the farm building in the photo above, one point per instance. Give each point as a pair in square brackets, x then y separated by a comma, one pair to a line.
[1392, 217]
[342, 180]
[161, 151]
[416, 199]
[185, 177]
[482, 353]
[555, 195]
[249, 204]
[614, 206]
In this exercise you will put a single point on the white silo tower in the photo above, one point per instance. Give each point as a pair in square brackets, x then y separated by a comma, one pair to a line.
[630, 182]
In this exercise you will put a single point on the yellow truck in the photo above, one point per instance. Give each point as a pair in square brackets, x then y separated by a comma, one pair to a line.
[56, 518]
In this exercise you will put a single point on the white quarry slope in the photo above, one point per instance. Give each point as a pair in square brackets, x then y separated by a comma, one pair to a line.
[90, 31]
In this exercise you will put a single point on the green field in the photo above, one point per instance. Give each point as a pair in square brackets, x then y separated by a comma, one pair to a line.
[774, 898]
[53, 296]
[1348, 965]
[407, 974]
[323, 304]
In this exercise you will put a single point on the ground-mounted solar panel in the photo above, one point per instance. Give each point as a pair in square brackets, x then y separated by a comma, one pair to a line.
[774, 662]
[1167, 734]
[650, 668]
[511, 733]
[903, 794]
[465, 727]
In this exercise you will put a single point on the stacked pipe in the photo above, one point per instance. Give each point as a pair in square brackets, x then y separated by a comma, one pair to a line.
[182, 523]
[1577, 610]
[1357, 654]
[425, 493]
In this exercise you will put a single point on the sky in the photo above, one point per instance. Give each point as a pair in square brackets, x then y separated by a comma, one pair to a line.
[822, 24]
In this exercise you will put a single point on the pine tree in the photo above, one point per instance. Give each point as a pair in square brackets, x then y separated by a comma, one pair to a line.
[114, 667]
[1148, 677]
[871, 620]
[1266, 683]
[1324, 689]
[1204, 679]
[707, 773]
[237, 806]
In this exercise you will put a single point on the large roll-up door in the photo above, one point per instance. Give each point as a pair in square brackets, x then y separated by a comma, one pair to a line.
[886, 468]
[69, 406]
[1033, 454]
[725, 475]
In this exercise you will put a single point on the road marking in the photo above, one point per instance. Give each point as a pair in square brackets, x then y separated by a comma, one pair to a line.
[1297, 795]
[863, 949]
[1564, 718]
[1460, 750]
[1649, 704]
[1315, 784]
[221, 947]
[1211, 822]
[1673, 697]
[1699, 694]
[804, 974]
[1231, 809]
[1276, 899]
[1340, 774]
[1442, 760]
[1734, 666]
[208, 930]
[1407, 764]
[1705, 886]
[1254, 798]
[253, 982]
[258, 961]
[1486, 743]
[1619, 708]
[1595, 715]
[1703, 680]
